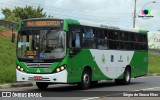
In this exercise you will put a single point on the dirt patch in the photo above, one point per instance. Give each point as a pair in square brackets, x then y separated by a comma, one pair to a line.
[7, 33]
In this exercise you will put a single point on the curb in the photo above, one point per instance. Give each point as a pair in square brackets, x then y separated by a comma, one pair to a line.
[22, 84]
[154, 74]
[18, 84]
[5, 86]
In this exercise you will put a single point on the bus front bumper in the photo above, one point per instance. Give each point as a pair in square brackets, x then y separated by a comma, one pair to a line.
[60, 77]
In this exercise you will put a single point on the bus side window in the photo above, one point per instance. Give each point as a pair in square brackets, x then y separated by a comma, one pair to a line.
[75, 37]
[88, 38]
[101, 39]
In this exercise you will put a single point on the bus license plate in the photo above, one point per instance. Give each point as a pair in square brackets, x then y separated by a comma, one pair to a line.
[37, 77]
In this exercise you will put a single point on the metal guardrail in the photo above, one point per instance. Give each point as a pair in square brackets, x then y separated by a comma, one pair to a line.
[9, 25]
[156, 51]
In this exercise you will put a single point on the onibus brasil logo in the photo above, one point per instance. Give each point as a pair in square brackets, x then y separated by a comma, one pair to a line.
[145, 13]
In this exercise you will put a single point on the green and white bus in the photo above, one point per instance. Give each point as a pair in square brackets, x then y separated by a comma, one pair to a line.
[58, 51]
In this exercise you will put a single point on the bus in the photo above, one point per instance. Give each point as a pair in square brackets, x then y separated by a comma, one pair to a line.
[69, 51]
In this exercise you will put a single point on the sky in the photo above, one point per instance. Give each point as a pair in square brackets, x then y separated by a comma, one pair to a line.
[111, 12]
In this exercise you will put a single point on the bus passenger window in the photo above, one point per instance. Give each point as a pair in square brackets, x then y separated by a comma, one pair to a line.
[88, 41]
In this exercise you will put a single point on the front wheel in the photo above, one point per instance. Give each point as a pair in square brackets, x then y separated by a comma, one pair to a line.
[85, 80]
[42, 85]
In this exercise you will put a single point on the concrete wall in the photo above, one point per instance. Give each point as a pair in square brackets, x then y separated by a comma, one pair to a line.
[154, 42]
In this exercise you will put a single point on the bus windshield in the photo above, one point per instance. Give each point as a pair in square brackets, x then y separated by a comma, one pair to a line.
[41, 44]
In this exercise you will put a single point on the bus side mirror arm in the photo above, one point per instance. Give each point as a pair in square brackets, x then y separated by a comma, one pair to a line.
[73, 42]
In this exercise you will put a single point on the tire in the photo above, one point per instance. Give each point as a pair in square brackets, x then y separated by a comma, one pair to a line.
[42, 85]
[85, 80]
[126, 78]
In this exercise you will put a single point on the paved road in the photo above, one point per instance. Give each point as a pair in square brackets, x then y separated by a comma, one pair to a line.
[99, 92]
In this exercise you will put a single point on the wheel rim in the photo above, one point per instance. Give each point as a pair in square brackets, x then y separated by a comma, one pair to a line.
[127, 76]
[86, 78]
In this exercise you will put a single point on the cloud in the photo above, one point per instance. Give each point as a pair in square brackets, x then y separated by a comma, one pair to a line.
[118, 12]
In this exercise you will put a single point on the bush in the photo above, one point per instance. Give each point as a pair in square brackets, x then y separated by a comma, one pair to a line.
[2, 28]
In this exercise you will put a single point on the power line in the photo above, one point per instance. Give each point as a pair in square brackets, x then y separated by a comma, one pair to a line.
[72, 16]
[87, 18]
[73, 11]
[102, 18]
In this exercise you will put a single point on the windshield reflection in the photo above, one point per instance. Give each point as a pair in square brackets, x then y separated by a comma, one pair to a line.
[41, 44]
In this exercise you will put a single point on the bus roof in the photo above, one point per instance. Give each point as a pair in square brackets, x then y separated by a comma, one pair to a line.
[107, 26]
[94, 24]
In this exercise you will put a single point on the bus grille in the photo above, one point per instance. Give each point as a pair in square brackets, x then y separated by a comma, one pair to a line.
[39, 65]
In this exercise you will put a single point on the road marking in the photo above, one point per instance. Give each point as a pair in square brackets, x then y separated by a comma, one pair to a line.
[91, 98]
[146, 77]
[147, 89]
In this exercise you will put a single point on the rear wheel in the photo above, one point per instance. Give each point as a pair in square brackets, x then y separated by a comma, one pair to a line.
[42, 85]
[85, 80]
[126, 78]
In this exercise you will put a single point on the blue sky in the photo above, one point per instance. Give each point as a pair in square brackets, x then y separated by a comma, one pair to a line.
[115, 12]
[1, 15]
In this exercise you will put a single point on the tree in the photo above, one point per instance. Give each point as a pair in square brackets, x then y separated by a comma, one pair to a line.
[20, 13]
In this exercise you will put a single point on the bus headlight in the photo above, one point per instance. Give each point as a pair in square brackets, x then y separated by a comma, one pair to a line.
[19, 68]
[60, 68]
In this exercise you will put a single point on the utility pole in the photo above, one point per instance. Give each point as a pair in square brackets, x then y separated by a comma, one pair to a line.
[134, 14]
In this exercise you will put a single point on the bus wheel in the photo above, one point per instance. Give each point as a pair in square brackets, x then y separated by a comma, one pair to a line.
[85, 80]
[42, 85]
[126, 78]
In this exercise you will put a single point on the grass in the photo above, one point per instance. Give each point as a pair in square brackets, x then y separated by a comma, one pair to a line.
[154, 63]
[8, 66]
[7, 60]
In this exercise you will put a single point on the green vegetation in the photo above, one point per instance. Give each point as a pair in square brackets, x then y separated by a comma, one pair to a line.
[20, 13]
[8, 66]
[7, 60]
[2, 28]
[154, 63]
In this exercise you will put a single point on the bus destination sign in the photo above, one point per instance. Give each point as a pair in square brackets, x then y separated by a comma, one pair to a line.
[43, 23]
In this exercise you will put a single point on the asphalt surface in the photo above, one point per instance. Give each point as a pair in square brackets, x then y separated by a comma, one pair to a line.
[105, 90]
